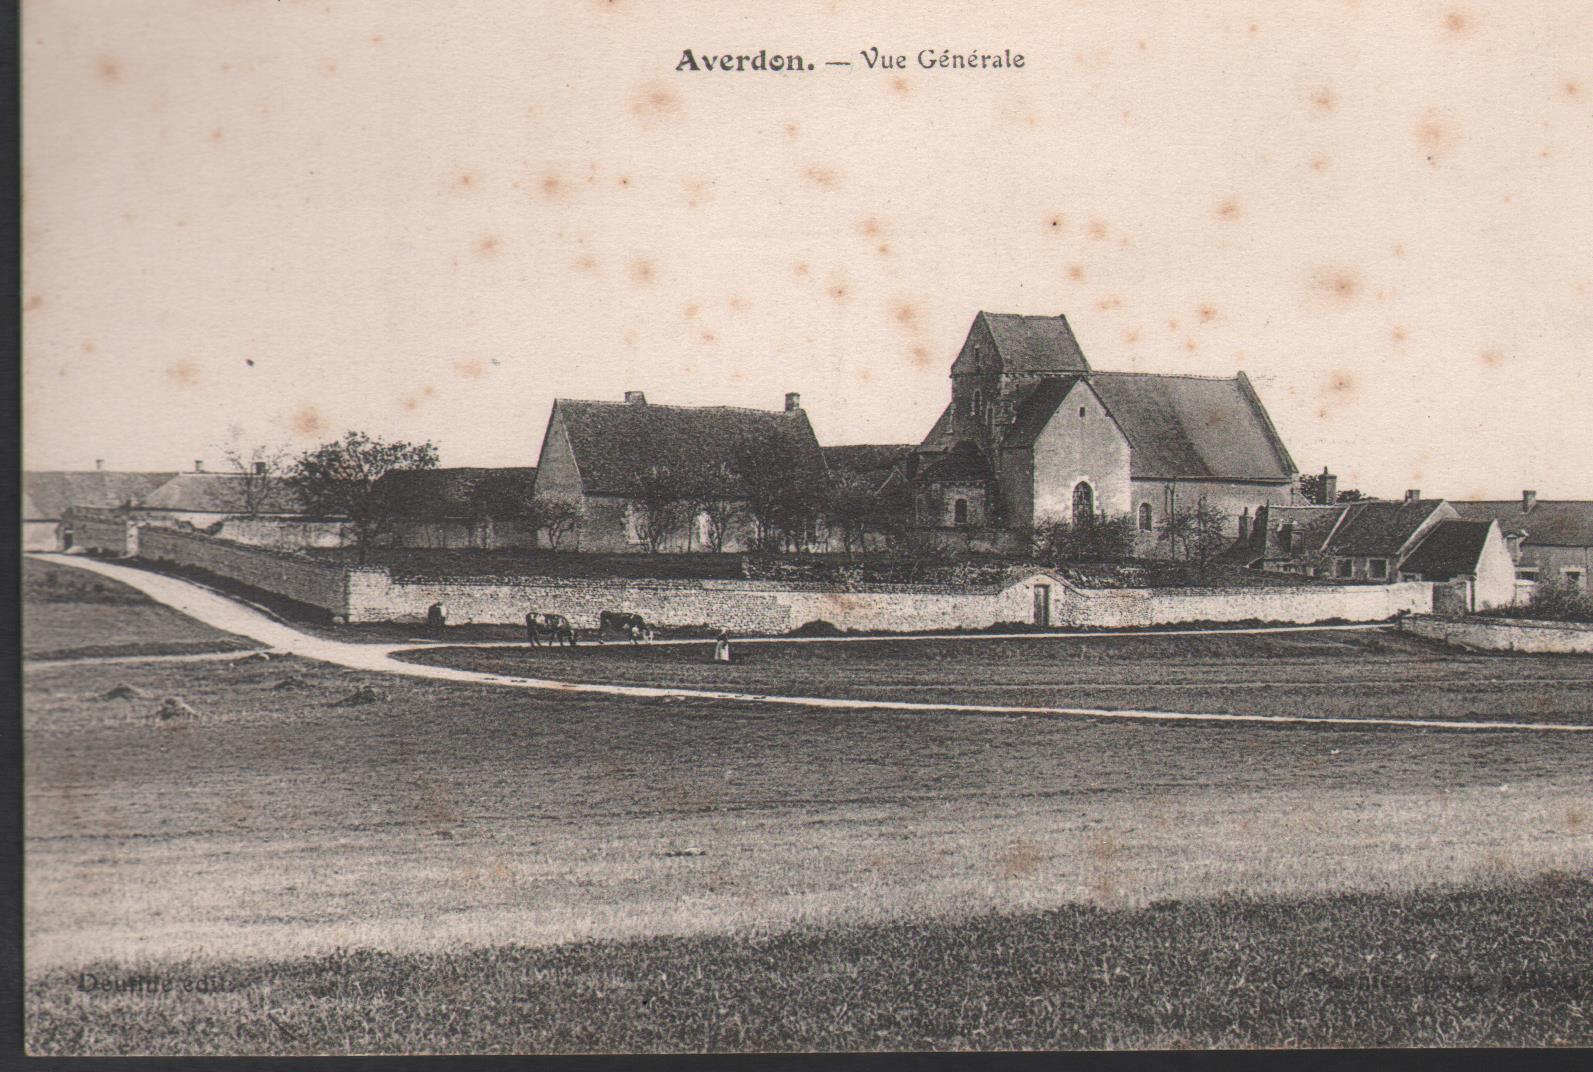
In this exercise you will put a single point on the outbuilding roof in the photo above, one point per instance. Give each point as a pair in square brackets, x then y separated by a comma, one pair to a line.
[1380, 526]
[1551, 522]
[1451, 548]
[454, 493]
[221, 493]
[47, 495]
[614, 442]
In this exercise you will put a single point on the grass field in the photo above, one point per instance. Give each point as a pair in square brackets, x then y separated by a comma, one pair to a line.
[70, 613]
[1341, 674]
[505, 869]
[1501, 961]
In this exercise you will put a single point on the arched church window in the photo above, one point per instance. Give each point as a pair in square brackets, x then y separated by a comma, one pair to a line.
[1083, 502]
[1144, 517]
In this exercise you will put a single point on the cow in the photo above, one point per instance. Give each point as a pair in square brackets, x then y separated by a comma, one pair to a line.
[630, 625]
[558, 626]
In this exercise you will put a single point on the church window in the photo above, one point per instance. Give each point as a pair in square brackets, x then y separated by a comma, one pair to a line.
[1083, 502]
[1144, 517]
[959, 512]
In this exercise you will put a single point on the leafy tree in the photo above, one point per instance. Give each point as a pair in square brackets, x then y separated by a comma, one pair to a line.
[1194, 533]
[339, 479]
[853, 507]
[511, 497]
[784, 498]
[659, 505]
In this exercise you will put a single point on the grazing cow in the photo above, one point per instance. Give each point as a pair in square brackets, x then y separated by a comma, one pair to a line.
[558, 626]
[630, 625]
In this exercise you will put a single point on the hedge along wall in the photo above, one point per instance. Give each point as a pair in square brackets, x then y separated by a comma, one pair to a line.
[1298, 604]
[1563, 638]
[319, 584]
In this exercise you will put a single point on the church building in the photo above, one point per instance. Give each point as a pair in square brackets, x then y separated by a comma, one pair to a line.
[1033, 434]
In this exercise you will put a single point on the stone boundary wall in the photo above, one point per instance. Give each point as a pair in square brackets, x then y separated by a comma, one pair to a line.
[106, 532]
[371, 594]
[315, 583]
[1507, 634]
[1127, 607]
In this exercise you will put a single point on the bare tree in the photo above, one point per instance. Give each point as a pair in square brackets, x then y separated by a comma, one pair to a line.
[260, 470]
[556, 517]
[339, 479]
[511, 497]
[1194, 533]
[784, 498]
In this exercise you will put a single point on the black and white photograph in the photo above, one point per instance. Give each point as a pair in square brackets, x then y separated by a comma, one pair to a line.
[603, 527]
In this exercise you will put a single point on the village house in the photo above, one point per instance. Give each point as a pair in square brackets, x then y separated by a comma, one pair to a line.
[1550, 539]
[1382, 541]
[1033, 434]
[48, 498]
[600, 455]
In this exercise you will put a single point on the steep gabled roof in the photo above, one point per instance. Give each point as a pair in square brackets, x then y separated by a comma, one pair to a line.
[963, 464]
[1555, 523]
[1451, 548]
[220, 493]
[1380, 526]
[1193, 427]
[1026, 344]
[613, 442]
[49, 494]
[451, 494]
[1298, 530]
[1034, 408]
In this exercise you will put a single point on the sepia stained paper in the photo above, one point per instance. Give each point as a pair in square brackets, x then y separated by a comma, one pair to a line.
[252, 227]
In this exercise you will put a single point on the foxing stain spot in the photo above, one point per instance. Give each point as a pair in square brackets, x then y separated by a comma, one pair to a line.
[1228, 210]
[643, 271]
[183, 373]
[1056, 223]
[1320, 163]
[34, 302]
[1207, 313]
[839, 292]
[1076, 273]
[870, 227]
[1324, 100]
[905, 313]
[587, 263]
[1097, 229]
[307, 422]
[1571, 89]
[88, 346]
[216, 134]
[1434, 136]
[1339, 284]
[1459, 23]
[921, 356]
[1191, 345]
[691, 312]
[655, 102]
[821, 176]
[792, 130]
[470, 369]
[1399, 334]
[1172, 325]
[1341, 383]
[800, 270]
[1491, 358]
[1131, 336]
[552, 187]
[624, 180]
[708, 337]
[465, 181]
[488, 246]
[110, 68]
[883, 249]
[1109, 303]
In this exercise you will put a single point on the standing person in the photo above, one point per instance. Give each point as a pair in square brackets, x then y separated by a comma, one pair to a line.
[531, 630]
[436, 619]
[722, 647]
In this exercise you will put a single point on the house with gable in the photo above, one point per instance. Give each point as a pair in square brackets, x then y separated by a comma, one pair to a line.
[50, 496]
[1550, 539]
[1033, 434]
[597, 454]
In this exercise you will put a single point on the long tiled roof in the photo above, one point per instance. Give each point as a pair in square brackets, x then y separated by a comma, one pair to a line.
[1292, 530]
[1451, 548]
[220, 493]
[1552, 522]
[613, 442]
[1380, 526]
[450, 494]
[868, 461]
[49, 494]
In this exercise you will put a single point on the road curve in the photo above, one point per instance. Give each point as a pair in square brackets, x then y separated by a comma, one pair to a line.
[222, 612]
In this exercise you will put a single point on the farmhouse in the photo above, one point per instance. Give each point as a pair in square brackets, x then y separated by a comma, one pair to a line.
[1033, 434]
[1549, 539]
[601, 455]
[1383, 541]
[48, 497]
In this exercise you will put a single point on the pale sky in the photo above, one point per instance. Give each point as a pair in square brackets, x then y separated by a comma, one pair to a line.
[279, 220]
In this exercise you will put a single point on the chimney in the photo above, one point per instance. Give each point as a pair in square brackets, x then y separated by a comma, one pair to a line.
[259, 468]
[1330, 488]
[99, 463]
[1529, 499]
[1413, 495]
[635, 398]
[793, 401]
[199, 465]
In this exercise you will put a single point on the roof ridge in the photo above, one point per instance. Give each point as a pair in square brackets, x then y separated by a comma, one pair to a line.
[672, 405]
[1164, 375]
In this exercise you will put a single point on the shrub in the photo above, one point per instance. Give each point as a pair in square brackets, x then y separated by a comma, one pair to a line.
[1553, 601]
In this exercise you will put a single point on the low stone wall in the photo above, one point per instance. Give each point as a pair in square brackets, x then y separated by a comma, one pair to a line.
[1507, 634]
[285, 533]
[1127, 607]
[315, 583]
[103, 532]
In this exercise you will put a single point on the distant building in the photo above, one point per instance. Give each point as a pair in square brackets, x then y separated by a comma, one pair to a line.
[1549, 538]
[598, 454]
[1382, 541]
[49, 496]
[1033, 434]
[452, 507]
